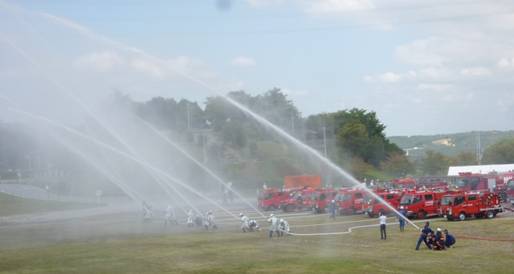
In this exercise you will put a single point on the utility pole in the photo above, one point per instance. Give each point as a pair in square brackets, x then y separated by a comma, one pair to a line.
[188, 110]
[325, 141]
[479, 148]
[292, 123]
[204, 149]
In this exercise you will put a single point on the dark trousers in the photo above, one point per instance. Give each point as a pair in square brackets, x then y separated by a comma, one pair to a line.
[402, 225]
[422, 239]
[383, 234]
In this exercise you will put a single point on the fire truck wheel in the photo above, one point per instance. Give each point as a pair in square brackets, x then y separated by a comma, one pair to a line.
[462, 216]
[490, 214]
[422, 215]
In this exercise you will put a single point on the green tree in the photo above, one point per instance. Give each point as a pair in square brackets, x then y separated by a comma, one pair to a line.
[398, 165]
[358, 133]
[501, 152]
[434, 163]
[464, 159]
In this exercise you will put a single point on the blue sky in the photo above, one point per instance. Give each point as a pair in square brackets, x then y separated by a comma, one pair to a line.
[424, 67]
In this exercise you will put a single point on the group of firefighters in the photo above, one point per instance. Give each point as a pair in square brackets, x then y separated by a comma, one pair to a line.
[434, 240]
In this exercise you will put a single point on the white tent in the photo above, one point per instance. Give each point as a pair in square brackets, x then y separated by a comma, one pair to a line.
[483, 169]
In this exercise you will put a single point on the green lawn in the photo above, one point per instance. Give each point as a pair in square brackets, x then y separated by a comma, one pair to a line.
[229, 251]
[11, 205]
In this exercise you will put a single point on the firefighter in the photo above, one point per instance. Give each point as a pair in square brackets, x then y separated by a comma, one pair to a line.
[273, 220]
[383, 222]
[439, 240]
[401, 218]
[423, 236]
[254, 226]
[199, 219]
[449, 239]
[170, 217]
[147, 212]
[245, 225]
[190, 218]
[209, 221]
[283, 227]
[332, 208]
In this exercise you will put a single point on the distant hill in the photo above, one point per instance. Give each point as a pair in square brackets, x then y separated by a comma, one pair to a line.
[449, 144]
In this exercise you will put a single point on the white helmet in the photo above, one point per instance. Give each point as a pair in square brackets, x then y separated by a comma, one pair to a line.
[281, 220]
[272, 215]
[241, 214]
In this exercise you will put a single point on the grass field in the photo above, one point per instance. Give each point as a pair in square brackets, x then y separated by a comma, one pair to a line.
[230, 251]
[11, 205]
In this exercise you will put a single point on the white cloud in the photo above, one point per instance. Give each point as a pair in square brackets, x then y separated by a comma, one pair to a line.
[295, 92]
[506, 63]
[391, 77]
[147, 67]
[264, 3]
[321, 7]
[434, 87]
[243, 61]
[475, 71]
[101, 61]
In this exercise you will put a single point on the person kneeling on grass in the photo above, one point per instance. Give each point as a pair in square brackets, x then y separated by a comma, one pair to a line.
[253, 225]
[450, 240]
[439, 240]
[283, 227]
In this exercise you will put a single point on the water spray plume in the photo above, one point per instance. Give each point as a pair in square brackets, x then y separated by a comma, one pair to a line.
[111, 177]
[121, 153]
[268, 124]
[93, 116]
[202, 166]
[246, 110]
[90, 34]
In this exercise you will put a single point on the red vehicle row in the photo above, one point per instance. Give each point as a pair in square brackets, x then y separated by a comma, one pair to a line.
[470, 196]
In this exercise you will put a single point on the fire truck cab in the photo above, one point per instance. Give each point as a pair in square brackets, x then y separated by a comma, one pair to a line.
[271, 198]
[375, 207]
[421, 204]
[351, 201]
[321, 199]
[477, 182]
[460, 206]
[298, 200]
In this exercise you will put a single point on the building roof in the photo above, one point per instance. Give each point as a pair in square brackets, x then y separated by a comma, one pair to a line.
[482, 169]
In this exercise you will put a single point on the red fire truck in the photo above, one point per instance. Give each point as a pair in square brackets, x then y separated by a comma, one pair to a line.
[496, 183]
[463, 205]
[298, 200]
[421, 204]
[351, 201]
[271, 198]
[375, 207]
[321, 199]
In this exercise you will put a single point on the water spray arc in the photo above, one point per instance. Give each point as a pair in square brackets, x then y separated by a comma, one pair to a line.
[111, 132]
[194, 160]
[111, 177]
[121, 153]
[159, 181]
[255, 116]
